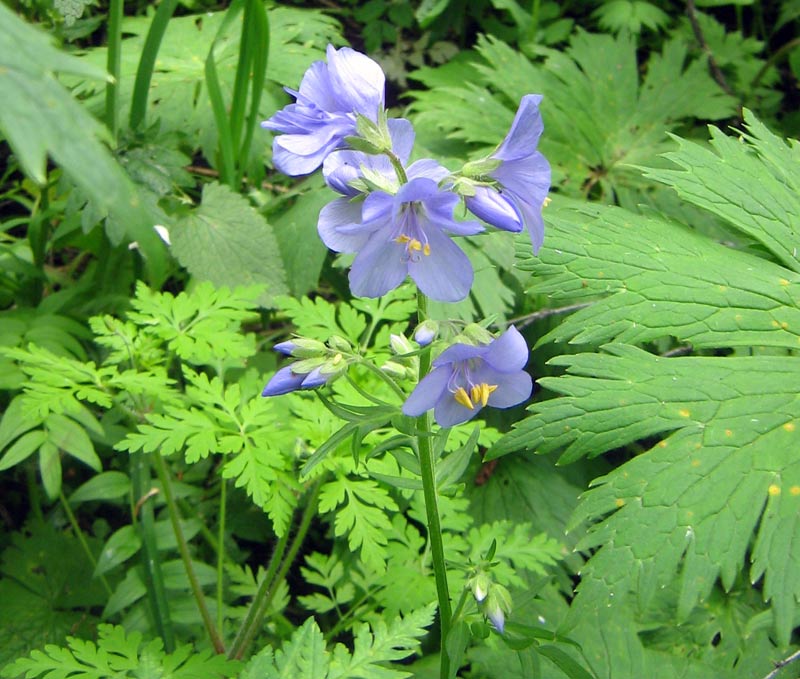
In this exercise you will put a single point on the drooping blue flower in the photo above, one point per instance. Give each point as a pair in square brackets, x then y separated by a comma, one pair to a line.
[465, 378]
[521, 179]
[405, 234]
[331, 95]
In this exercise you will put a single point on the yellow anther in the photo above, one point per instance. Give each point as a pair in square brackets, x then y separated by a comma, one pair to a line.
[414, 245]
[462, 398]
[402, 239]
[426, 249]
[547, 201]
[480, 392]
[337, 359]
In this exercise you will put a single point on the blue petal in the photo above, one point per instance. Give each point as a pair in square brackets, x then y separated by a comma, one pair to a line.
[449, 412]
[334, 221]
[427, 167]
[446, 273]
[459, 352]
[427, 392]
[314, 379]
[494, 208]
[285, 348]
[512, 388]
[380, 266]
[509, 352]
[419, 189]
[283, 382]
[316, 88]
[525, 131]
[402, 133]
[358, 81]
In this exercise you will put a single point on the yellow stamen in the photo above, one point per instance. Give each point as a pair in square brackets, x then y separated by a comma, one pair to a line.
[480, 392]
[426, 250]
[462, 398]
[414, 245]
[402, 239]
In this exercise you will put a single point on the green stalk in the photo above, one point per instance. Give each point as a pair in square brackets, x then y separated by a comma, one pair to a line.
[278, 568]
[147, 62]
[183, 548]
[82, 538]
[113, 61]
[431, 506]
[154, 580]
[223, 493]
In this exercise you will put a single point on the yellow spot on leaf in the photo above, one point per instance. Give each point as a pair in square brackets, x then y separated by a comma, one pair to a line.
[695, 463]
[683, 412]
[728, 433]
[784, 325]
[795, 490]
[790, 426]
[775, 324]
[784, 282]
[774, 490]
[619, 502]
[662, 444]
[723, 288]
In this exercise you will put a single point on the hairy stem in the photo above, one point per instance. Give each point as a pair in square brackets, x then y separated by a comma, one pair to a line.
[431, 506]
[276, 571]
[183, 548]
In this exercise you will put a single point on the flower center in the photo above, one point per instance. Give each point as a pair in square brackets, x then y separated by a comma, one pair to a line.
[479, 392]
[410, 232]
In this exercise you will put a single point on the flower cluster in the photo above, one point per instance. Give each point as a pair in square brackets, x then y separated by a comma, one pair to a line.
[398, 219]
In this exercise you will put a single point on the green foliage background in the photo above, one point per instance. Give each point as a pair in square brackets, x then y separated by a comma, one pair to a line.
[644, 510]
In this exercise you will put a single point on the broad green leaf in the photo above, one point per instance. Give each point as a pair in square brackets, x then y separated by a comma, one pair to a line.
[109, 485]
[647, 270]
[600, 116]
[226, 241]
[295, 227]
[50, 469]
[122, 545]
[16, 420]
[70, 437]
[40, 117]
[720, 180]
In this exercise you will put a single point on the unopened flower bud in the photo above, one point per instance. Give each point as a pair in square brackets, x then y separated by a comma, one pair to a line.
[480, 585]
[334, 366]
[394, 369]
[497, 606]
[426, 332]
[339, 343]
[477, 334]
[307, 348]
[400, 344]
[285, 348]
[476, 169]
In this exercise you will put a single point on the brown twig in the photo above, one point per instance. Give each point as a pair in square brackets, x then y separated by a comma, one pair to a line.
[783, 663]
[716, 71]
[527, 319]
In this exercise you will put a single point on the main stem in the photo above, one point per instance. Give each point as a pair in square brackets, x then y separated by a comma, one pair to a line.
[432, 506]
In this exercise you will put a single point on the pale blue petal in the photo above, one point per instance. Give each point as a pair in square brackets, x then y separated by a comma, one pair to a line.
[285, 348]
[495, 209]
[357, 80]
[283, 382]
[427, 392]
[427, 168]
[402, 133]
[449, 412]
[511, 390]
[509, 352]
[379, 266]
[459, 352]
[525, 131]
[333, 223]
[446, 273]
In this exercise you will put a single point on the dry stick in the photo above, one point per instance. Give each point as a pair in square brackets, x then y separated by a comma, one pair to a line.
[783, 663]
[527, 319]
[716, 71]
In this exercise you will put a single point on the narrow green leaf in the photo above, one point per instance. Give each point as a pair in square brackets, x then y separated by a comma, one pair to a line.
[23, 447]
[50, 469]
[105, 486]
[71, 438]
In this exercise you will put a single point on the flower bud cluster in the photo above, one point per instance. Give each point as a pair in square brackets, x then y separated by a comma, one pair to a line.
[493, 599]
[317, 363]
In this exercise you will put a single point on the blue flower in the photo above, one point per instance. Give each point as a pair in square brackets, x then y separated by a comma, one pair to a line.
[401, 235]
[520, 179]
[466, 378]
[330, 97]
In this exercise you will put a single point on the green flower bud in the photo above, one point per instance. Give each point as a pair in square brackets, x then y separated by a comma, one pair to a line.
[308, 348]
[394, 370]
[400, 344]
[339, 343]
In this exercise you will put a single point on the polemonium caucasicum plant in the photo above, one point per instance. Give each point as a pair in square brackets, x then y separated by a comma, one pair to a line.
[398, 218]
